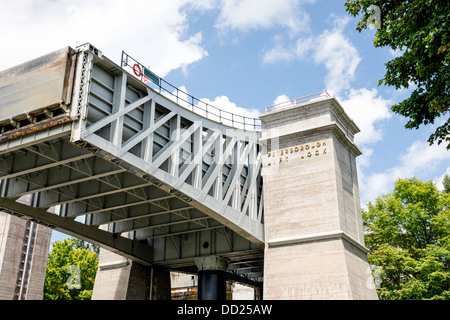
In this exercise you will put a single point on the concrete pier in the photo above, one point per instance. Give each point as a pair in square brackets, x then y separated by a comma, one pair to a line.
[212, 283]
[119, 278]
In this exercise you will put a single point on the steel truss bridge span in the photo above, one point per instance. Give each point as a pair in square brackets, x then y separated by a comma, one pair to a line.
[123, 166]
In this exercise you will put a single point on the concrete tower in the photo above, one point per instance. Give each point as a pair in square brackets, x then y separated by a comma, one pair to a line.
[312, 216]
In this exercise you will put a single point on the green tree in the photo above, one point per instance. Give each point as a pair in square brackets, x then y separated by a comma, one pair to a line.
[71, 269]
[419, 29]
[81, 244]
[408, 235]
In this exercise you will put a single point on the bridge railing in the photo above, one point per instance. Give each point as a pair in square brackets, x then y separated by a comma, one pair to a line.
[285, 104]
[186, 100]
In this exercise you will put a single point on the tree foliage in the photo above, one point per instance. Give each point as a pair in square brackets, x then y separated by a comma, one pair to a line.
[419, 29]
[408, 235]
[71, 269]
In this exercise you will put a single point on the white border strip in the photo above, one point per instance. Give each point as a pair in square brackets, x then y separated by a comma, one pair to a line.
[317, 236]
[113, 265]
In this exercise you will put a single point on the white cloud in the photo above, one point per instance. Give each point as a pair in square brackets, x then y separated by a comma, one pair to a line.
[420, 159]
[154, 32]
[303, 46]
[231, 114]
[367, 108]
[224, 103]
[221, 109]
[340, 57]
[278, 53]
[364, 159]
[281, 98]
[245, 15]
[180, 96]
[331, 49]
[280, 102]
[420, 155]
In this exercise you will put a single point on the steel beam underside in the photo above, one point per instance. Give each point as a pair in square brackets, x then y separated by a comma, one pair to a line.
[100, 202]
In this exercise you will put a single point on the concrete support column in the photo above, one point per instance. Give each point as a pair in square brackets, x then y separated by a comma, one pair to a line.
[121, 279]
[160, 284]
[24, 249]
[212, 284]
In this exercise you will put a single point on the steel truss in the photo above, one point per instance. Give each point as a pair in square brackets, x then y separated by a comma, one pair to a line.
[151, 172]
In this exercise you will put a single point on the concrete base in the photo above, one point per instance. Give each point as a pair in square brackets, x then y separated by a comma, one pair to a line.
[121, 279]
[330, 269]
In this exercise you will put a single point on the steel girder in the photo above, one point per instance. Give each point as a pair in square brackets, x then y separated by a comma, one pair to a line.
[148, 169]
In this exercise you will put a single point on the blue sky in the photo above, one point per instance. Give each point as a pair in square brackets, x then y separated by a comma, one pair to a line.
[241, 56]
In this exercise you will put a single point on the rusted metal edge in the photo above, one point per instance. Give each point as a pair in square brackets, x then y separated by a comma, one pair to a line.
[35, 127]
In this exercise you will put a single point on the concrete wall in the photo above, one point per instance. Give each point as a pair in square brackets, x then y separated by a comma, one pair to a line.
[11, 237]
[12, 231]
[35, 289]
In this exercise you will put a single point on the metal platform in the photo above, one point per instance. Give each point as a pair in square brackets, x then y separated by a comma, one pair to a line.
[124, 166]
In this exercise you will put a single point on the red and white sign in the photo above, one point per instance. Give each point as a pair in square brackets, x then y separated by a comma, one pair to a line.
[137, 70]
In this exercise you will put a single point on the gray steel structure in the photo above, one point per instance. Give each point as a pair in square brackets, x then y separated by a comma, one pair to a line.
[125, 167]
